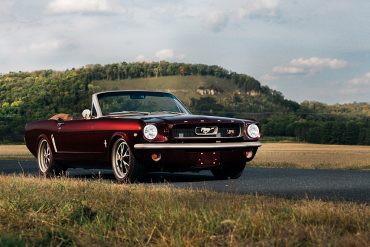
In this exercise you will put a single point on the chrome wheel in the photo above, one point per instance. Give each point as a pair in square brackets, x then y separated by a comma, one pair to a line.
[121, 159]
[44, 156]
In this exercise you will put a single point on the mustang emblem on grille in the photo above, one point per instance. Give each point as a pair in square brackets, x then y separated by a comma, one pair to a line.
[206, 130]
[230, 132]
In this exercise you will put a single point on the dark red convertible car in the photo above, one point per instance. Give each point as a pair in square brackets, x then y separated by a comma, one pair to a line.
[135, 132]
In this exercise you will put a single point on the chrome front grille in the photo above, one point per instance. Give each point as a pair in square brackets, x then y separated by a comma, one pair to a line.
[223, 131]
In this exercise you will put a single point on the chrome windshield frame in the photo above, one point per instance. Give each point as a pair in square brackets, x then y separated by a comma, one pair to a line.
[96, 96]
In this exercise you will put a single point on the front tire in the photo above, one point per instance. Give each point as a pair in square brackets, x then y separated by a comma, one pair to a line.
[230, 171]
[125, 167]
[48, 167]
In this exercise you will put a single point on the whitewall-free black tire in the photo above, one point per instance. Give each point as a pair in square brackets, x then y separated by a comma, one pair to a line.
[126, 168]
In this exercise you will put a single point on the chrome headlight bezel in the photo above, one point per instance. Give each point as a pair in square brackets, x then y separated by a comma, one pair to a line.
[150, 132]
[253, 131]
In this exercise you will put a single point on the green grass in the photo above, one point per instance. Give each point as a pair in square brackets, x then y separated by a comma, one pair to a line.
[68, 212]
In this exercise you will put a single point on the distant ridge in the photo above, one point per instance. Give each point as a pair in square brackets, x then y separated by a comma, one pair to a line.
[27, 96]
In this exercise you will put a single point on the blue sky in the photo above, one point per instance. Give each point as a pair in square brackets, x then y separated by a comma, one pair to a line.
[308, 49]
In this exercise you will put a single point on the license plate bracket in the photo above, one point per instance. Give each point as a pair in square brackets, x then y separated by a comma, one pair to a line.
[208, 159]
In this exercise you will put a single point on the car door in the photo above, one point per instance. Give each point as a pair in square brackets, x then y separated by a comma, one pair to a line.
[78, 139]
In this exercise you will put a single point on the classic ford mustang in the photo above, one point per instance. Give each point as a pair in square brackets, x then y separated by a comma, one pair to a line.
[135, 132]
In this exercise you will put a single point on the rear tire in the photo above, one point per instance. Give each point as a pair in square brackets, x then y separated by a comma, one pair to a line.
[125, 167]
[231, 171]
[48, 167]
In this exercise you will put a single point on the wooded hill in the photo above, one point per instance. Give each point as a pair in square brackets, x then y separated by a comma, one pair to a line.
[27, 96]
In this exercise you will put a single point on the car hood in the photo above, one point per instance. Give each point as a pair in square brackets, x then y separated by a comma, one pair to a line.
[189, 119]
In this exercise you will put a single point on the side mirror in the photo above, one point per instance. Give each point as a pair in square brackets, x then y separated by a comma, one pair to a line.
[86, 114]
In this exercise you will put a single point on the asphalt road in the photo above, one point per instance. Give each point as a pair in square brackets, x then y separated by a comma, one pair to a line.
[335, 185]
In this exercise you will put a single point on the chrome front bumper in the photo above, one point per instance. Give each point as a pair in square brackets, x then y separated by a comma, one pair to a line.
[196, 145]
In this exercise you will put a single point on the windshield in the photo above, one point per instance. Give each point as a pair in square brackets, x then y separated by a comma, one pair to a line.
[139, 103]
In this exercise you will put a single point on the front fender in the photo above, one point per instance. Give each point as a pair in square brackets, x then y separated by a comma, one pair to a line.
[128, 138]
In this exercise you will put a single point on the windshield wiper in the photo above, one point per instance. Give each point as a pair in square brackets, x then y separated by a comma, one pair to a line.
[165, 112]
[129, 113]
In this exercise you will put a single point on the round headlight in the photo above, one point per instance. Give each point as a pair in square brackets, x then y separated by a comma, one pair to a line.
[150, 131]
[253, 131]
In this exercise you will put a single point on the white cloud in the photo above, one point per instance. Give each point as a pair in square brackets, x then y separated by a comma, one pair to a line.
[267, 77]
[140, 58]
[217, 20]
[288, 70]
[263, 7]
[63, 34]
[357, 86]
[309, 65]
[363, 80]
[220, 14]
[349, 91]
[165, 54]
[5, 6]
[44, 46]
[319, 63]
[180, 56]
[84, 6]
[168, 54]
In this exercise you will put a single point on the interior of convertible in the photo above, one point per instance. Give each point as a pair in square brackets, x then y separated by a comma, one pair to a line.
[64, 116]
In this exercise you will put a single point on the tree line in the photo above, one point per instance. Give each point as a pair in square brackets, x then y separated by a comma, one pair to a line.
[28, 96]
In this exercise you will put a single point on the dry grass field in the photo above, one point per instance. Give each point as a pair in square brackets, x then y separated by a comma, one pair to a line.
[73, 212]
[312, 156]
[12, 152]
[298, 155]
